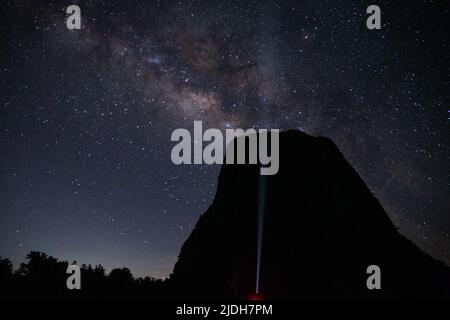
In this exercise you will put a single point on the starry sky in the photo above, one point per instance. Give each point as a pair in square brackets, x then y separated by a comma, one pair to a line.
[86, 115]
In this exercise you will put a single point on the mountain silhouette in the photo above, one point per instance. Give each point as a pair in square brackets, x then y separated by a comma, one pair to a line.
[321, 229]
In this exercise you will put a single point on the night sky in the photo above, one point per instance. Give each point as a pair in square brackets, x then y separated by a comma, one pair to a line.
[86, 115]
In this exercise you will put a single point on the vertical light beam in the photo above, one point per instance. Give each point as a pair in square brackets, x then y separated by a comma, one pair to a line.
[260, 226]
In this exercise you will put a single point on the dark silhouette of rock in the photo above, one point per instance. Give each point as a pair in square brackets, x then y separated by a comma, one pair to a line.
[322, 229]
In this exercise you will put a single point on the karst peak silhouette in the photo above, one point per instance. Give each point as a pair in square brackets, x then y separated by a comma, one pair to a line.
[322, 229]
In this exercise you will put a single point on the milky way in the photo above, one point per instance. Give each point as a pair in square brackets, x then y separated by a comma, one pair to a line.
[86, 115]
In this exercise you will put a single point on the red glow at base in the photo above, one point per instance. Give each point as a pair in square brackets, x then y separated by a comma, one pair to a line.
[256, 297]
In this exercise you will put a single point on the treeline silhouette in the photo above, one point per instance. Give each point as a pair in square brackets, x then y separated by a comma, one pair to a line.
[44, 277]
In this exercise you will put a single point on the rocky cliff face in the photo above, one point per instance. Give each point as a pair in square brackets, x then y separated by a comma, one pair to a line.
[322, 228]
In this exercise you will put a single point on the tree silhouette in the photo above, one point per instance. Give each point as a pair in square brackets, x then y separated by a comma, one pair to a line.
[44, 277]
[6, 268]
